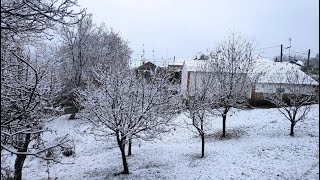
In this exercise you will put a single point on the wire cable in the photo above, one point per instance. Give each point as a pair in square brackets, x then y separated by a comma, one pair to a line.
[267, 47]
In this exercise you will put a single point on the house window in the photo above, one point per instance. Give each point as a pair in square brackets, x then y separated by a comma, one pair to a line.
[280, 90]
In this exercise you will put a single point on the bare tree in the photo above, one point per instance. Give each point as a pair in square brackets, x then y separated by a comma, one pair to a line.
[22, 22]
[293, 93]
[233, 65]
[84, 45]
[31, 18]
[75, 49]
[199, 103]
[20, 111]
[125, 105]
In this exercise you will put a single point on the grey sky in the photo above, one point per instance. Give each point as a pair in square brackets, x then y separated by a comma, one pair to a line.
[182, 28]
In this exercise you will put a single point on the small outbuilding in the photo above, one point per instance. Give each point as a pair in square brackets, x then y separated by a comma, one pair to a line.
[281, 77]
[272, 74]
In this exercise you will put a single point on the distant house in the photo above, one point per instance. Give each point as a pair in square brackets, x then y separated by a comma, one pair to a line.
[275, 79]
[193, 71]
[175, 66]
[174, 69]
[192, 74]
[148, 66]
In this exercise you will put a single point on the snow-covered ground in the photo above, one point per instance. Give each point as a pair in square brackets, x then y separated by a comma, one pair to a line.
[258, 146]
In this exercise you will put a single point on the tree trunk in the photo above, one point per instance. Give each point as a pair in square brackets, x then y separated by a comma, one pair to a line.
[202, 147]
[72, 116]
[129, 147]
[124, 159]
[292, 129]
[18, 165]
[224, 119]
[122, 147]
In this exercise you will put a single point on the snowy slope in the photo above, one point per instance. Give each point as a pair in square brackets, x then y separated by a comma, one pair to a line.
[277, 72]
[257, 147]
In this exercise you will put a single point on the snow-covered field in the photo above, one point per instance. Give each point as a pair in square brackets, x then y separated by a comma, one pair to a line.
[258, 146]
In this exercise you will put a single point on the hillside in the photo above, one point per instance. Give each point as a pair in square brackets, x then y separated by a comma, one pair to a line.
[258, 146]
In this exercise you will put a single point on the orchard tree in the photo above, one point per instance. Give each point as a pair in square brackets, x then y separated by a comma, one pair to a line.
[125, 105]
[233, 65]
[84, 45]
[293, 93]
[75, 49]
[22, 24]
[198, 103]
[32, 18]
[22, 88]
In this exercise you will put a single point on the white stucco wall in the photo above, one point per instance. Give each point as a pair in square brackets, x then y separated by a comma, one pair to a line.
[288, 88]
[184, 77]
[196, 80]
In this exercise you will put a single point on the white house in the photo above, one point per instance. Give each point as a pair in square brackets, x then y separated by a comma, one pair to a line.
[273, 74]
[281, 76]
[192, 72]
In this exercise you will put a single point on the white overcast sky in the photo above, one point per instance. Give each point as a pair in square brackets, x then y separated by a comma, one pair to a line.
[182, 28]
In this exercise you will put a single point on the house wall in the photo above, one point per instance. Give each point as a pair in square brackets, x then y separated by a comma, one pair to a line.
[184, 78]
[262, 89]
[195, 81]
[192, 81]
[272, 88]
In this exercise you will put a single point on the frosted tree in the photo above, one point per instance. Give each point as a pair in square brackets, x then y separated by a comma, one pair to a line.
[22, 90]
[85, 45]
[22, 23]
[199, 103]
[233, 65]
[75, 48]
[125, 105]
[32, 18]
[293, 93]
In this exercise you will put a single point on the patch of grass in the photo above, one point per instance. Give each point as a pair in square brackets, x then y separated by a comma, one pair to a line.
[235, 133]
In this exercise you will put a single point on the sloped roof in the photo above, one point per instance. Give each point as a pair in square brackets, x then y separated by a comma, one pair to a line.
[278, 72]
[175, 64]
[196, 65]
[180, 61]
[272, 72]
[147, 66]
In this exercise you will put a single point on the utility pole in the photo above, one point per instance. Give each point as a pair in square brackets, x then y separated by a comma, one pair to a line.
[308, 61]
[281, 53]
[289, 49]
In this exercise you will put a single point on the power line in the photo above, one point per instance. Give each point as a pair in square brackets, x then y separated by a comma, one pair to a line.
[300, 53]
[267, 47]
[305, 52]
[314, 53]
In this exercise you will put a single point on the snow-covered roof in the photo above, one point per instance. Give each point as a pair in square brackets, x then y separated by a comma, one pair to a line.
[272, 72]
[196, 65]
[162, 62]
[300, 63]
[175, 63]
[184, 59]
[277, 72]
[180, 61]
